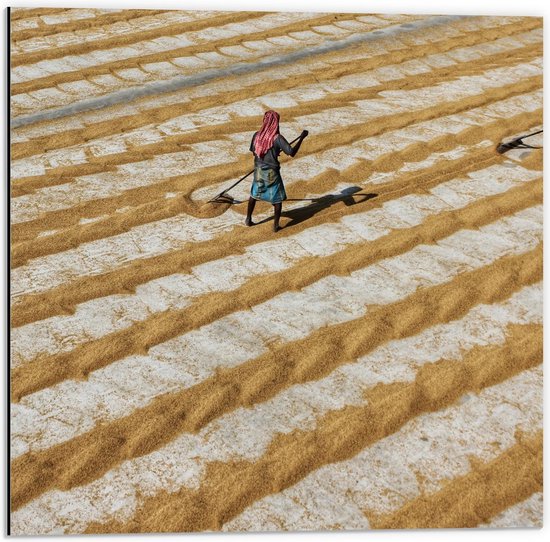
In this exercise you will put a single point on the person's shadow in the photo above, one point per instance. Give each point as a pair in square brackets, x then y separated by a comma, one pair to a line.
[350, 196]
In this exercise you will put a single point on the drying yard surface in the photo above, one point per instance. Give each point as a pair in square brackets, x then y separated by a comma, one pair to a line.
[375, 364]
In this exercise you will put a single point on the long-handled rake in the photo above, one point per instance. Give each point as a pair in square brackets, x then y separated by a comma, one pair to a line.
[223, 198]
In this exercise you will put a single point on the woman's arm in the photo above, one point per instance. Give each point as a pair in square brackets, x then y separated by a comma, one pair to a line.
[291, 151]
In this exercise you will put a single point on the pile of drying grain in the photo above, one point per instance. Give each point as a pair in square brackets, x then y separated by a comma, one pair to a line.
[375, 364]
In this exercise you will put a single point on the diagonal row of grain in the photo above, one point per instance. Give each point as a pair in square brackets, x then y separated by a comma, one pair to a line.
[375, 364]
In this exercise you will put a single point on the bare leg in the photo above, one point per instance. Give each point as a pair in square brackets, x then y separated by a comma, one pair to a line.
[251, 205]
[277, 208]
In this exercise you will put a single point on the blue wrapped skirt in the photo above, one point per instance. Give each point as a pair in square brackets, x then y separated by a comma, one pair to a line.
[268, 185]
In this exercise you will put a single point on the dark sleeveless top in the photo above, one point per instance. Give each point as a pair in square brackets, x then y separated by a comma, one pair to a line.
[271, 157]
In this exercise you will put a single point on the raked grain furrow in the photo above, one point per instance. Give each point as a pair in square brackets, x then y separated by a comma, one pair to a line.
[33, 77]
[144, 267]
[73, 21]
[420, 158]
[199, 61]
[292, 456]
[80, 360]
[418, 299]
[390, 474]
[62, 299]
[136, 183]
[33, 431]
[377, 363]
[108, 314]
[54, 16]
[481, 492]
[26, 279]
[421, 58]
[235, 436]
[138, 29]
[292, 102]
[137, 113]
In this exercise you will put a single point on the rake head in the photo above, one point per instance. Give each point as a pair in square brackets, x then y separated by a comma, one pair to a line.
[517, 143]
[503, 147]
[222, 198]
[514, 144]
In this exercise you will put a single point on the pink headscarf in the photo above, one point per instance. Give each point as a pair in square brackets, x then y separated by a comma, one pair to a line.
[267, 134]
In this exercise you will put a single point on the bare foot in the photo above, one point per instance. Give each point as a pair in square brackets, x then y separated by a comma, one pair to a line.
[248, 222]
[276, 228]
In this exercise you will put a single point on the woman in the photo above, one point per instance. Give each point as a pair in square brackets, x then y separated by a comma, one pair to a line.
[267, 185]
